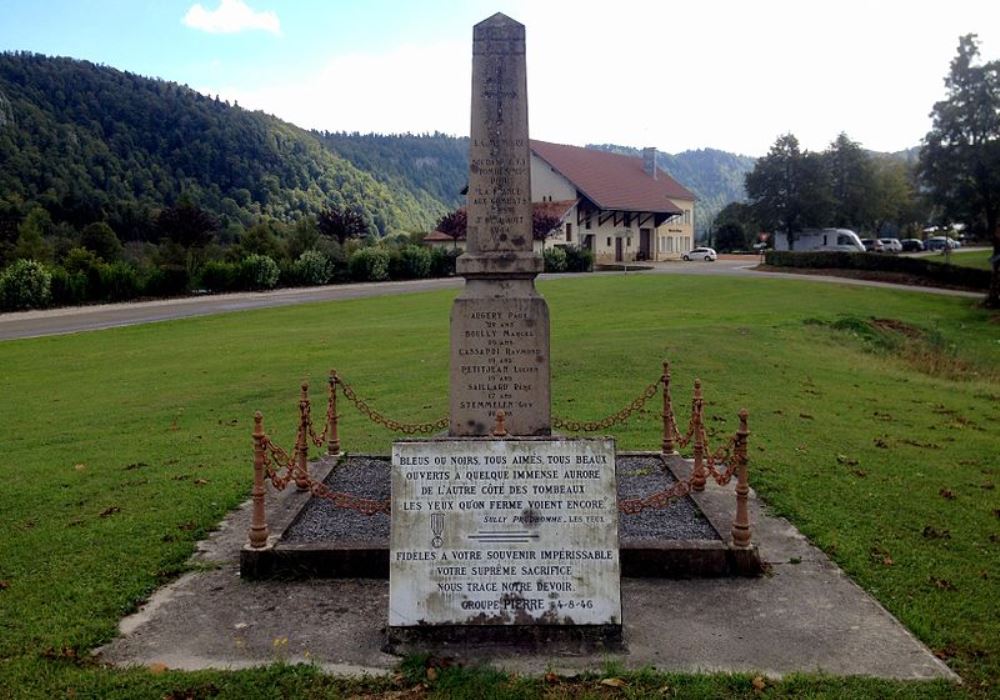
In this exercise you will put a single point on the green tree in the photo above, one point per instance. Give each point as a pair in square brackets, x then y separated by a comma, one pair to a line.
[99, 238]
[788, 189]
[960, 157]
[852, 184]
[187, 224]
[31, 235]
[342, 224]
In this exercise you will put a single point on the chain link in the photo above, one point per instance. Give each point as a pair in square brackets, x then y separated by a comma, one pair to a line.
[275, 454]
[393, 425]
[618, 417]
[724, 455]
[660, 499]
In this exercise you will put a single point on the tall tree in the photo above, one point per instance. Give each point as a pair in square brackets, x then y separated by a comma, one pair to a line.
[187, 224]
[852, 184]
[960, 157]
[788, 189]
[341, 223]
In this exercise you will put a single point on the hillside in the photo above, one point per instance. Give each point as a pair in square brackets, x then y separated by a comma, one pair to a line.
[89, 142]
[433, 168]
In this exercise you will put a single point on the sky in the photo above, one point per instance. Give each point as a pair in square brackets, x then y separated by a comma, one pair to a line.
[670, 74]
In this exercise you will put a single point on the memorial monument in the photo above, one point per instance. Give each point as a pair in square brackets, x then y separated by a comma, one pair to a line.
[499, 323]
[500, 523]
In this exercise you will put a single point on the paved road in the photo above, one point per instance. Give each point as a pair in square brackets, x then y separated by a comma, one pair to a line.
[29, 324]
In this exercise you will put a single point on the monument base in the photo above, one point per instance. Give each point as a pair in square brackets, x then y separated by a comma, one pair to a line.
[551, 639]
[310, 538]
[500, 359]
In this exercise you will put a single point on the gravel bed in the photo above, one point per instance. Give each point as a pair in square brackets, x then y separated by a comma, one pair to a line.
[638, 477]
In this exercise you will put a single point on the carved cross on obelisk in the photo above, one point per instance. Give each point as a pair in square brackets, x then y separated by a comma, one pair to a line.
[499, 324]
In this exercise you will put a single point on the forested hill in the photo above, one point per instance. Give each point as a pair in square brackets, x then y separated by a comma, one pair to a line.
[434, 168]
[90, 142]
[715, 176]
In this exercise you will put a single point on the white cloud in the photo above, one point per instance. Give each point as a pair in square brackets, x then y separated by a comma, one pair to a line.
[407, 88]
[230, 17]
[730, 75]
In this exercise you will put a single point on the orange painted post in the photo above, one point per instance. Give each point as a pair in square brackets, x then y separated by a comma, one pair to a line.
[741, 525]
[500, 429]
[668, 412]
[258, 521]
[333, 438]
[302, 441]
[697, 411]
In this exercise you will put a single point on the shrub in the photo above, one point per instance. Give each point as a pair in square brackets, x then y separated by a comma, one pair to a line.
[410, 262]
[68, 288]
[555, 259]
[579, 259]
[258, 272]
[369, 265]
[312, 268]
[26, 284]
[918, 267]
[443, 262]
[218, 276]
[119, 282]
[101, 239]
[167, 281]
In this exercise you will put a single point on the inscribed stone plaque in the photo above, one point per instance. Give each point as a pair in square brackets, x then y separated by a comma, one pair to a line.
[504, 532]
[500, 361]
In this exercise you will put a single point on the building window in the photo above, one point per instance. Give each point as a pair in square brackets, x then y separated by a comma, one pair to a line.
[588, 223]
[569, 232]
[687, 217]
[609, 241]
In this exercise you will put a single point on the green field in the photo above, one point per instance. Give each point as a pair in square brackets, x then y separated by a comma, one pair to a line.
[878, 440]
[979, 259]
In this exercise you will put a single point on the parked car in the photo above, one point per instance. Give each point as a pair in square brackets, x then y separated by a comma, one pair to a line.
[706, 254]
[891, 245]
[912, 245]
[872, 245]
[940, 243]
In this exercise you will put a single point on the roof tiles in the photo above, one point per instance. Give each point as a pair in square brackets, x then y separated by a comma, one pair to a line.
[613, 181]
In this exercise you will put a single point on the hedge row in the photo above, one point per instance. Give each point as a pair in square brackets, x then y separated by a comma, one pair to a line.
[918, 267]
[83, 277]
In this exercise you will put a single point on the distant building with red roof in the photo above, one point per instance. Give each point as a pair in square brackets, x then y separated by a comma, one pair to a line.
[626, 208]
[621, 207]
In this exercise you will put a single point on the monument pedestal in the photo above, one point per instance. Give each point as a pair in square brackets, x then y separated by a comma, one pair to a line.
[500, 358]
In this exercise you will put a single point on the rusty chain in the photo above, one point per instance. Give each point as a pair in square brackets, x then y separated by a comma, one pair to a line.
[275, 456]
[660, 499]
[618, 417]
[393, 425]
[724, 455]
[319, 440]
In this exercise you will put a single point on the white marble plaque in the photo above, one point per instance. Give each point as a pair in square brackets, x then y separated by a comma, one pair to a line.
[504, 532]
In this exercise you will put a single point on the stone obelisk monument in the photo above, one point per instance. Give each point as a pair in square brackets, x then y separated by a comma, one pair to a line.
[499, 323]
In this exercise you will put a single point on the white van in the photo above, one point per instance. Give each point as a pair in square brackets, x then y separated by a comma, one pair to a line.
[812, 239]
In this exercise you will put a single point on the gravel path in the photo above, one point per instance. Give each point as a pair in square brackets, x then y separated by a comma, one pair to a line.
[320, 521]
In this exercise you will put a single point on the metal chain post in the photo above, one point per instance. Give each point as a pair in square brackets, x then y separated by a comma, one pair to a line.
[333, 438]
[741, 525]
[302, 440]
[258, 521]
[668, 412]
[697, 406]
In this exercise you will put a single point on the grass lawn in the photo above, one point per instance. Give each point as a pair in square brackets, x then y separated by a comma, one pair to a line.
[880, 441]
[966, 258]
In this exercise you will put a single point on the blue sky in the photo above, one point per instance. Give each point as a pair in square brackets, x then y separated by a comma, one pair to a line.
[676, 75]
